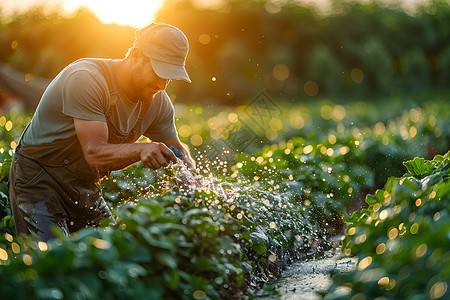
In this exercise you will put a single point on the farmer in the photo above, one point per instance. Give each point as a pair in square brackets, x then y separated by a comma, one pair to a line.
[86, 125]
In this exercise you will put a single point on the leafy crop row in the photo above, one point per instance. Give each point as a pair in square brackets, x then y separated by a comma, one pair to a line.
[402, 240]
[232, 233]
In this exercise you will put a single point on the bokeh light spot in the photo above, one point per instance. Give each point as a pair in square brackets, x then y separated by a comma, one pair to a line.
[204, 39]
[326, 112]
[311, 88]
[414, 115]
[27, 260]
[281, 72]
[438, 290]
[196, 140]
[185, 131]
[3, 254]
[42, 246]
[332, 139]
[413, 131]
[296, 120]
[308, 149]
[330, 151]
[199, 294]
[364, 263]
[384, 214]
[233, 118]
[421, 250]
[9, 237]
[383, 282]
[381, 248]
[276, 124]
[8, 126]
[271, 134]
[14, 45]
[339, 113]
[392, 233]
[15, 247]
[344, 150]
[391, 285]
[414, 228]
[357, 75]
[379, 128]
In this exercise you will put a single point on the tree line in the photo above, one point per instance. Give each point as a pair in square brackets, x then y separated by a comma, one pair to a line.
[243, 47]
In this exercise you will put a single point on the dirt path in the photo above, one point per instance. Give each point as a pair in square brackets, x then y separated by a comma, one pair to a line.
[303, 279]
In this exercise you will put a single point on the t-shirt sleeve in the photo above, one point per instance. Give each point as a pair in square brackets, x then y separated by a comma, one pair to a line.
[163, 128]
[85, 96]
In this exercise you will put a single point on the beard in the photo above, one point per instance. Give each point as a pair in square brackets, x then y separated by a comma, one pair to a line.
[144, 93]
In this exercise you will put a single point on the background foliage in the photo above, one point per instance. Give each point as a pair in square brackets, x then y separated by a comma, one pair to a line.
[360, 49]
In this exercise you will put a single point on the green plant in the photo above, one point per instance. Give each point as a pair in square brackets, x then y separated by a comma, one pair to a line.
[322, 177]
[402, 240]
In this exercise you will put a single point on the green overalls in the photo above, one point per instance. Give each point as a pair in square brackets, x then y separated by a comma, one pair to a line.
[53, 185]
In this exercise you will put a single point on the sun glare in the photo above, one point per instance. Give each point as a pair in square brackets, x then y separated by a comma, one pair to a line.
[137, 13]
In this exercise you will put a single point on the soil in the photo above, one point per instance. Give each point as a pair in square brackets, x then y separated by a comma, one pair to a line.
[302, 280]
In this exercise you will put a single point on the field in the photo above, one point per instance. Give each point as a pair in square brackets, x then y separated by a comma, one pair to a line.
[278, 182]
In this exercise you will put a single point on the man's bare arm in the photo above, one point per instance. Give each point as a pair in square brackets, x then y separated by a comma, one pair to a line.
[93, 137]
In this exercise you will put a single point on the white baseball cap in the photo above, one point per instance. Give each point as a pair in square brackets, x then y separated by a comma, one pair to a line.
[167, 48]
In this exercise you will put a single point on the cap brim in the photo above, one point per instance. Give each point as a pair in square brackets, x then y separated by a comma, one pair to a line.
[169, 71]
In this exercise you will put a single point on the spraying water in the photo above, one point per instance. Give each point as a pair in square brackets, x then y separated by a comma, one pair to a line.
[186, 178]
[259, 195]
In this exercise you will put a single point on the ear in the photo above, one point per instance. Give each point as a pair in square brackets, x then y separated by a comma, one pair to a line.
[135, 55]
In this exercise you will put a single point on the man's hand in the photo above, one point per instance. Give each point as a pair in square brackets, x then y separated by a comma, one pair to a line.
[152, 155]
[186, 158]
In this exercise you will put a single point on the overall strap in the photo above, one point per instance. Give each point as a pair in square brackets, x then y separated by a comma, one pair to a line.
[104, 70]
[138, 122]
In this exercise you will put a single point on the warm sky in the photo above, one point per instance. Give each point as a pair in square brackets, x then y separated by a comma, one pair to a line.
[137, 13]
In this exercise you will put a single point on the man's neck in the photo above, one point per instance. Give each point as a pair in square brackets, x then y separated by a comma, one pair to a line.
[123, 72]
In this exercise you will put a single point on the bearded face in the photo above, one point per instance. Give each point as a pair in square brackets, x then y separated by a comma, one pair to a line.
[144, 81]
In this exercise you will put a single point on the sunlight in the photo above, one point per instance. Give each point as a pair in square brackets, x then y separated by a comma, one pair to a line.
[137, 13]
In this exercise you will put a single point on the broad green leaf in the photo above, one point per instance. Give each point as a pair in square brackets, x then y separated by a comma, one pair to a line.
[166, 259]
[174, 278]
[419, 167]
[261, 248]
[259, 236]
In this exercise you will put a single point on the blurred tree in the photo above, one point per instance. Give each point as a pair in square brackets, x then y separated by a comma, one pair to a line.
[325, 68]
[435, 28]
[43, 43]
[239, 48]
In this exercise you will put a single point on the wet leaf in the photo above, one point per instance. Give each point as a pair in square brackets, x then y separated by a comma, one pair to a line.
[419, 167]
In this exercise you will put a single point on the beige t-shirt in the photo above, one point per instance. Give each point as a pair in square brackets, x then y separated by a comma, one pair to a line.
[80, 91]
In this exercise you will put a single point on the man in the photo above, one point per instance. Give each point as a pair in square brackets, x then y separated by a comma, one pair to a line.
[87, 124]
